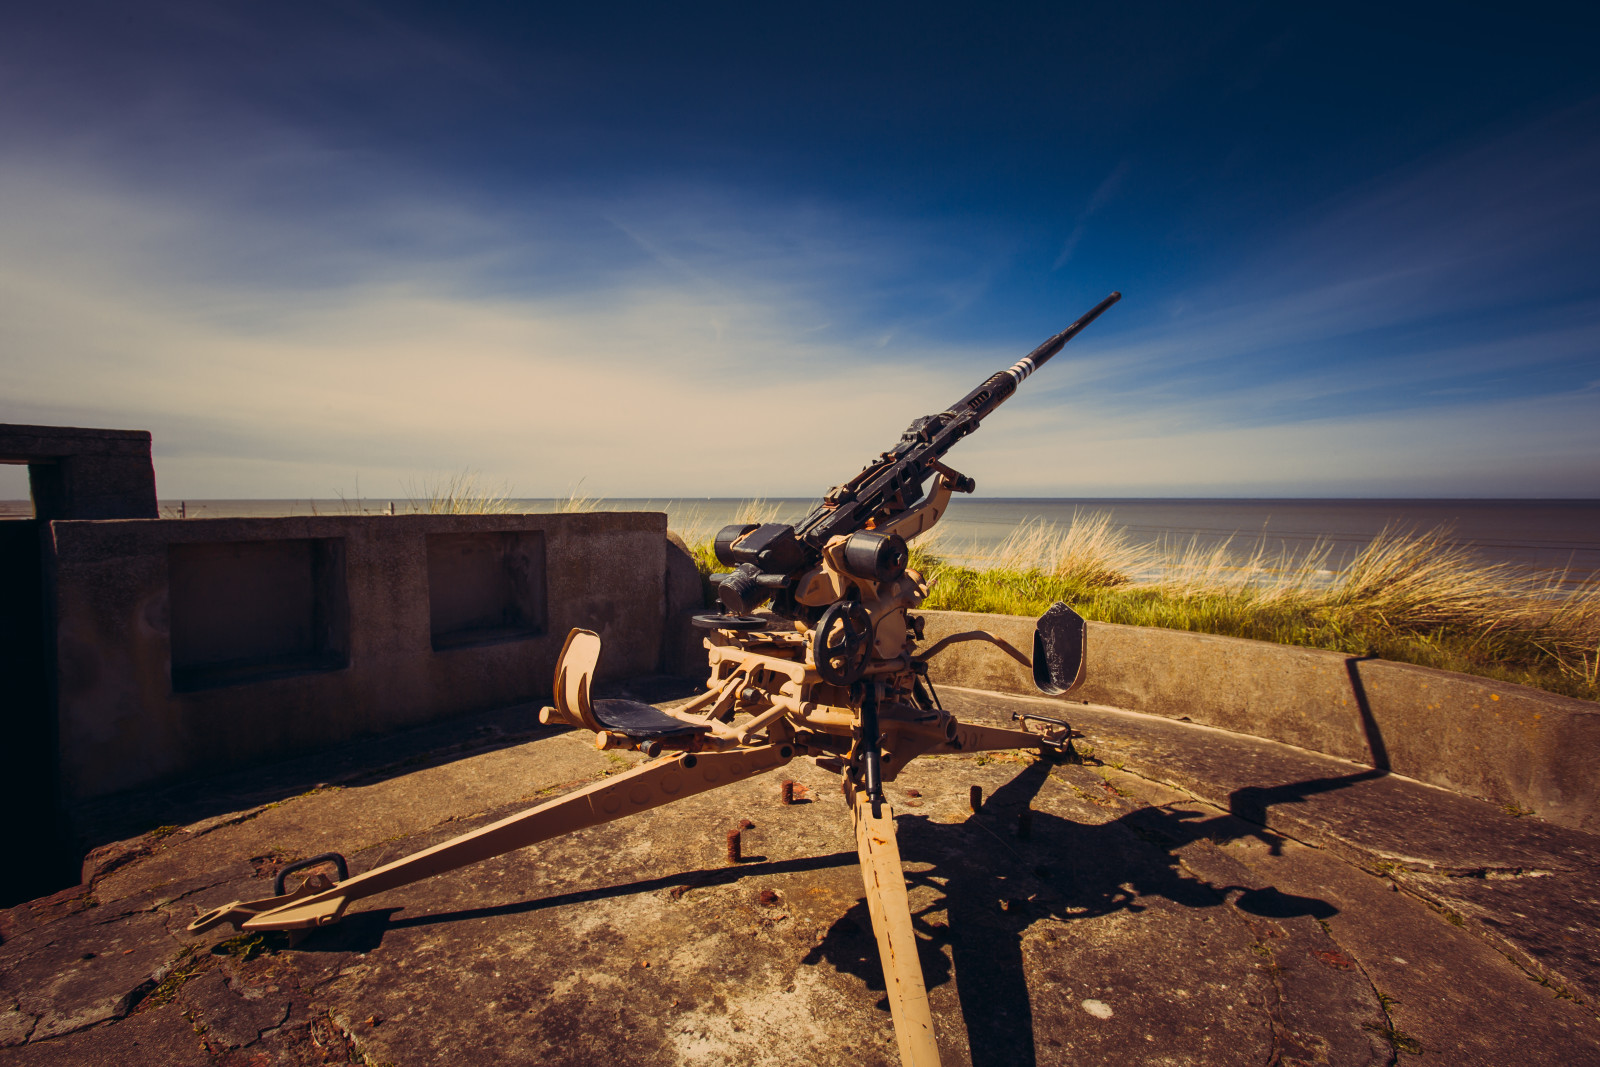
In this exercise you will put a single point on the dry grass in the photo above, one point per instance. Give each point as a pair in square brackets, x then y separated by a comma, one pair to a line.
[1424, 581]
[693, 526]
[758, 511]
[1089, 550]
[462, 493]
[1419, 598]
[698, 529]
[577, 501]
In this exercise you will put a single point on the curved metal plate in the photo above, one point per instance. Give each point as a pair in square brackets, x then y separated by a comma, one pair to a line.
[1059, 639]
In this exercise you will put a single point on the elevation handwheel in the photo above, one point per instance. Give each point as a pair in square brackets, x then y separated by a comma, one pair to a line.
[843, 642]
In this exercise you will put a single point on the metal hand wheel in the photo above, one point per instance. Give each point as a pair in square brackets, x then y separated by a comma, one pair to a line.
[843, 643]
[731, 622]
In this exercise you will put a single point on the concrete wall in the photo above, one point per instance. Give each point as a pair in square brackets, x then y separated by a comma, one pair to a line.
[79, 473]
[190, 646]
[1501, 742]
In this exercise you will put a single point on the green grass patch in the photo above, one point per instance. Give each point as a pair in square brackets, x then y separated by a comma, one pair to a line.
[242, 947]
[186, 966]
[1534, 653]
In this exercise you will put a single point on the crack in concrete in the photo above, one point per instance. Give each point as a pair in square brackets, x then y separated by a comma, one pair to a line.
[1377, 996]
[1515, 955]
[1275, 990]
[1489, 872]
[1389, 871]
[188, 893]
[26, 1034]
[342, 1032]
[1387, 865]
[218, 822]
[159, 907]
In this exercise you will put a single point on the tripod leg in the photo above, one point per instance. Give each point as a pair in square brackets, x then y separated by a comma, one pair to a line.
[891, 922]
[646, 786]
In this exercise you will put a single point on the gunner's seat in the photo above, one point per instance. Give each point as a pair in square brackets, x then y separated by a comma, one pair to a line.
[625, 718]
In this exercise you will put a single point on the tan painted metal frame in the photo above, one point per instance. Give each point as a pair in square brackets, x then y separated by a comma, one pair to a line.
[764, 704]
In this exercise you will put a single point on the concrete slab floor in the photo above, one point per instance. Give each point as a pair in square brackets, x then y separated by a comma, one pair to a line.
[1137, 920]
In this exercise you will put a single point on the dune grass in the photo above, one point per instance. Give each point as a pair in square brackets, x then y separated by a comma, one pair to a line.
[462, 493]
[1416, 598]
[577, 501]
[1419, 598]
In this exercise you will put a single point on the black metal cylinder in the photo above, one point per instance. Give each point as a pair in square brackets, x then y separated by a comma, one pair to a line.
[874, 556]
[722, 545]
[740, 593]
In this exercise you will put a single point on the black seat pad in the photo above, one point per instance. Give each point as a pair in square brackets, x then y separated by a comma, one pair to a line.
[641, 722]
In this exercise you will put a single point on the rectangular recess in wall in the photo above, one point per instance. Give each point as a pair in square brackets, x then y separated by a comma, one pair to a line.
[484, 588]
[247, 611]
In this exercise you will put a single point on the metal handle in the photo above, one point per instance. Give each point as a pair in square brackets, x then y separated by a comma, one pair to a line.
[327, 857]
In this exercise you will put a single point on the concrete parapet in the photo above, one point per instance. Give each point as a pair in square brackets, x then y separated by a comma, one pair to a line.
[194, 646]
[682, 649]
[1501, 742]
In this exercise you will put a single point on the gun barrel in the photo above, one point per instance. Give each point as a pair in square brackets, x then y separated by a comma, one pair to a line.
[890, 485]
[988, 396]
[1036, 359]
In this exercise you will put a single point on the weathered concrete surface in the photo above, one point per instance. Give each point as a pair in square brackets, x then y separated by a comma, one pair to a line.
[78, 473]
[1470, 859]
[1135, 923]
[1505, 743]
[125, 723]
[73, 473]
[683, 651]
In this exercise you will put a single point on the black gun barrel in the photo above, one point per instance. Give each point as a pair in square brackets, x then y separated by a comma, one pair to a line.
[994, 391]
[890, 486]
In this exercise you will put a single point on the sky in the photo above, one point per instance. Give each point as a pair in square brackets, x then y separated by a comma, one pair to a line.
[631, 250]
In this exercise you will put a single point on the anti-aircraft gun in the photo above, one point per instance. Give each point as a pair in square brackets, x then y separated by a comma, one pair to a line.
[832, 672]
[841, 571]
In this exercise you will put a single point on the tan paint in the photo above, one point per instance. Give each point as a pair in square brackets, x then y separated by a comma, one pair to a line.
[891, 922]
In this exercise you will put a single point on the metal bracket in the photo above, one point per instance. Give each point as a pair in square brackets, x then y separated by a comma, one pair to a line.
[334, 858]
[1062, 744]
[239, 912]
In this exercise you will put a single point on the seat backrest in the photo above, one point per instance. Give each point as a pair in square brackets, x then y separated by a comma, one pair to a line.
[574, 671]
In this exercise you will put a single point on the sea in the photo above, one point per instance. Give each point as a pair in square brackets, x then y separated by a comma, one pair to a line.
[1540, 540]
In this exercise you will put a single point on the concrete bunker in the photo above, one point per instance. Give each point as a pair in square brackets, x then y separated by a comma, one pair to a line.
[144, 651]
[138, 604]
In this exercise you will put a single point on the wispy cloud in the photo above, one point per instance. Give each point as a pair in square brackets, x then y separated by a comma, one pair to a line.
[689, 340]
[1474, 272]
[644, 384]
[1102, 194]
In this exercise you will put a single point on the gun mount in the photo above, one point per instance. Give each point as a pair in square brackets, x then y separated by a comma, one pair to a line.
[832, 673]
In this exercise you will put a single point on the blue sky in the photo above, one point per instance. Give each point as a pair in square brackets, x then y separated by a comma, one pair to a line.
[731, 251]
